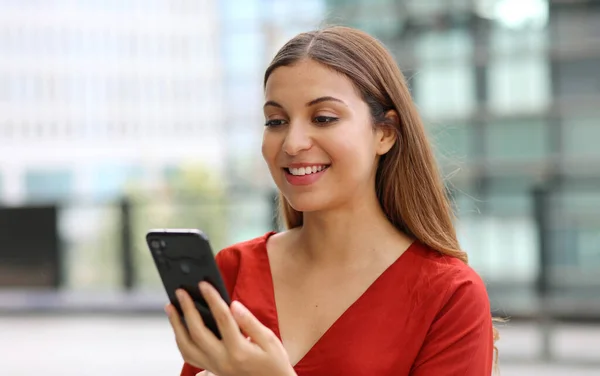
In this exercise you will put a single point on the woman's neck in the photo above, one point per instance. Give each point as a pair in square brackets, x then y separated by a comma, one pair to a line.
[348, 234]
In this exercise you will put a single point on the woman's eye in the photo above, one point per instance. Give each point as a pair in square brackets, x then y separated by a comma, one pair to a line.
[274, 123]
[324, 119]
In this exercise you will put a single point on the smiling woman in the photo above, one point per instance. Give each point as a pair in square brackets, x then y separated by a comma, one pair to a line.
[368, 278]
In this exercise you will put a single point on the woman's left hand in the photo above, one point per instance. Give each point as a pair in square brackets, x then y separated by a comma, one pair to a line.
[235, 355]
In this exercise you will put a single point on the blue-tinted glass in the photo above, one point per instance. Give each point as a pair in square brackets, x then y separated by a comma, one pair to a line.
[48, 184]
[240, 10]
[581, 136]
[111, 180]
[445, 90]
[243, 53]
[451, 142]
[448, 45]
[445, 80]
[578, 77]
[519, 84]
[517, 140]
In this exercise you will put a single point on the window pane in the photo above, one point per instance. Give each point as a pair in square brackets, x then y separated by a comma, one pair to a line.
[578, 77]
[91, 237]
[502, 240]
[519, 84]
[445, 82]
[508, 41]
[581, 136]
[575, 25]
[517, 140]
[581, 200]
[465, 199]
[519, 73]
[448, 45]
[111, 180]
[503, 249]
[509, 203]
[48, 185]
[575, 241]
[445, 90]
[509, 196]
[243, 52]
[451, 142]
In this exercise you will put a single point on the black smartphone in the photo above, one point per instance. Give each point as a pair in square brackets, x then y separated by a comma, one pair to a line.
[184, 258]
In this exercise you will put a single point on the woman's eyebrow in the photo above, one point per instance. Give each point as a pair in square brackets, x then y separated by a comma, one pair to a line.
[272, 103]
[311, 103]
[325, 99]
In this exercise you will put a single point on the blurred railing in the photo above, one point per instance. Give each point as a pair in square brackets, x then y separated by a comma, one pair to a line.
[550, 254]
[542, 266]
[102, 258]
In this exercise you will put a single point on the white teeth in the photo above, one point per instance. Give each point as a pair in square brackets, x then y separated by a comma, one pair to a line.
[306, 170]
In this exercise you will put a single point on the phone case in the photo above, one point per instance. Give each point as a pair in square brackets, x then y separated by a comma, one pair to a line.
[184, 258]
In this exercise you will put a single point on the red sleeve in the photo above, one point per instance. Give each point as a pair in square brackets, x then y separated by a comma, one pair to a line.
[228, 261]
[460, 340]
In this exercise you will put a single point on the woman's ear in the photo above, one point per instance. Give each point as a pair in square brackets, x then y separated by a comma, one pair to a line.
[387, 132]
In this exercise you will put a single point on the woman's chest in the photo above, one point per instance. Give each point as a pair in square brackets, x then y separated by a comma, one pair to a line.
[332, 331]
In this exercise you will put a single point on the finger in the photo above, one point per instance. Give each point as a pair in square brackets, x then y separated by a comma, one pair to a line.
[257, 332]
[230, 332]
[198, 332]
[182, 338]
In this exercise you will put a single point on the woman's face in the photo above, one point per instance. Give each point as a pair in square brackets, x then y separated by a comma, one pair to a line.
[319, 142]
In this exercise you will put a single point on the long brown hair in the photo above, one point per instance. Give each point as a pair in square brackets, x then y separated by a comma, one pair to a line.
[408, 183]
[409, 187]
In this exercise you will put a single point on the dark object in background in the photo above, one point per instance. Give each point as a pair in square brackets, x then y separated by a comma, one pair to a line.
[29, 247]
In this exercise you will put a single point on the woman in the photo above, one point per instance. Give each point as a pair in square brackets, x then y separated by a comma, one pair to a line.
[369, 278]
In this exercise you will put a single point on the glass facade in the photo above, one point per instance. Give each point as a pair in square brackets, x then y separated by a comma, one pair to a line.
[510, 100]
[48, 185]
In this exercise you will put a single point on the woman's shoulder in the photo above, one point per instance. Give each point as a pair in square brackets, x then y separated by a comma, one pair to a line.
[247, 248]
[249, 252]
[434, 263]
[445, 277]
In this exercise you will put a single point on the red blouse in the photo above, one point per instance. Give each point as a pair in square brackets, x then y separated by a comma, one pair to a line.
[426, 315]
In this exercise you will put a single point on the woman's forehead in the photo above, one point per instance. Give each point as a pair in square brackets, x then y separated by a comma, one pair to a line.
[308, 79]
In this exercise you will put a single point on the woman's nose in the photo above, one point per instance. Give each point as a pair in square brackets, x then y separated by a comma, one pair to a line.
[297, 139]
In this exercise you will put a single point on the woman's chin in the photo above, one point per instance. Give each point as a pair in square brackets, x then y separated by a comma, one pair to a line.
[306, 204]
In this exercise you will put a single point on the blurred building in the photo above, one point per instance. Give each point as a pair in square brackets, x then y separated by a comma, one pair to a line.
[510, 91]
[95, 93]
[252, 31]
[98, 95]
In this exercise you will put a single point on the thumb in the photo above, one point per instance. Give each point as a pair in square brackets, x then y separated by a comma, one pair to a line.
[258, 333]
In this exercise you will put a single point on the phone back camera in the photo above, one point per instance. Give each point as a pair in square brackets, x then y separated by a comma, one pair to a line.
[185, 268]
[158, 246]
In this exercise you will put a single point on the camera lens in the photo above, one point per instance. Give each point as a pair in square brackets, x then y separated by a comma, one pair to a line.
[185, 268]
[155, 244]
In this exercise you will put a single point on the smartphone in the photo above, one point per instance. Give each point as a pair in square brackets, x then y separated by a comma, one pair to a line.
[184, 258]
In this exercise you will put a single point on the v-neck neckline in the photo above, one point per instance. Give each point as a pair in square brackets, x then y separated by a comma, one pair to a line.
[319, 343]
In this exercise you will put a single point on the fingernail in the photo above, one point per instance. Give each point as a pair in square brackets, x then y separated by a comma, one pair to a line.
[238, 308]
[179, 294]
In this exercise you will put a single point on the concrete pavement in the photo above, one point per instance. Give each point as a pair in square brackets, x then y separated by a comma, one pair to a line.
[143, 345]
